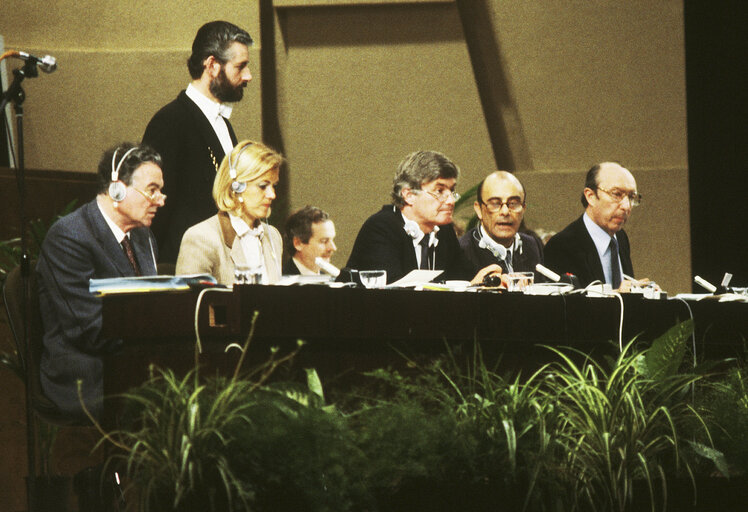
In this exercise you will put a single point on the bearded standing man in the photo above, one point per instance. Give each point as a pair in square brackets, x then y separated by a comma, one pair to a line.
[193, 134]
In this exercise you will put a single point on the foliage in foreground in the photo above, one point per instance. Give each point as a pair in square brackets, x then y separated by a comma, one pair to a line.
[727, 402]
[578, 434]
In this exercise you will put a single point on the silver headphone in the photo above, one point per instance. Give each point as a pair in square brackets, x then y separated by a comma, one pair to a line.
[498, 250]
[237, 187]
[117, 189]
[486, 242]
[413, 230]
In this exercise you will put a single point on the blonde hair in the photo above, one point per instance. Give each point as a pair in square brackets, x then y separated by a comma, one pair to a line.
[251, 160]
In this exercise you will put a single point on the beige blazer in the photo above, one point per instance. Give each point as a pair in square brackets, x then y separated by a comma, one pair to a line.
[208, 248]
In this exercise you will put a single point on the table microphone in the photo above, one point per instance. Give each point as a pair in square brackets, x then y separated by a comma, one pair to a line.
[327, 267]
[567, 278]
[705, 284]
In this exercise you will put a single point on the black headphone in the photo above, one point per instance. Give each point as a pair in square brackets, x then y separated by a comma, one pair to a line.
[117, 189]
[237, 187]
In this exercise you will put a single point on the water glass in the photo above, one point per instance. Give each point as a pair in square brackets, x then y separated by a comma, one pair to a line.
[519, 281]
[373, 278]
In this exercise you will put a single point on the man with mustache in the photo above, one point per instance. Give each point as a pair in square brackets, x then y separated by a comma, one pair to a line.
[416, 231]
[309, 234]
[500, 207]
[595, 247]
[193, 133]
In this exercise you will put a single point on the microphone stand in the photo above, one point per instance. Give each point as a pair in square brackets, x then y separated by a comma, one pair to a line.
[17, 95]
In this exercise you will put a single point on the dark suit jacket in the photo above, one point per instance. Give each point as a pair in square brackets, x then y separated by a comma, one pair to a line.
[383, 244]
[572, 250]
[184, 138]
[78, 247]
[531, 255]
[290, 268]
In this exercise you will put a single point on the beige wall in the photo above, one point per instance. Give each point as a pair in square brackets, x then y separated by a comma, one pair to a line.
[356, 101]
[118, 62]
[359, 86]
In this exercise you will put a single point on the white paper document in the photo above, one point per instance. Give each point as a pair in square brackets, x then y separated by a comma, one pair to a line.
[415, 278]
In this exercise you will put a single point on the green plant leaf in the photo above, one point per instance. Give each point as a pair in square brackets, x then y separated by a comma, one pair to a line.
[314, 383]
[712, 454]
[663, 359]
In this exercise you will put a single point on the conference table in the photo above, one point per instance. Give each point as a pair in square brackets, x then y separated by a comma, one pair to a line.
[348, 330]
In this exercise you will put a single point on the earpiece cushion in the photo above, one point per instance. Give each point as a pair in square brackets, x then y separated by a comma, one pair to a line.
[117, 191]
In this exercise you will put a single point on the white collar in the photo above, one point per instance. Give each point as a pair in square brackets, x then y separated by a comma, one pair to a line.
[210, 108]
[303, 269]
[116, 230]
[600, 237]
[242, 228]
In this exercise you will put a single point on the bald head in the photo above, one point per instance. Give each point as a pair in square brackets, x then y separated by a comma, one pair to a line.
[500, 206]
[497, 177]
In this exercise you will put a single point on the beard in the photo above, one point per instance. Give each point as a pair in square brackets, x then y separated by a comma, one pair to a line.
[225, 91]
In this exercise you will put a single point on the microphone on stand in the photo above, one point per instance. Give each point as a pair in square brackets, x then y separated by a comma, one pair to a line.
[48, 64]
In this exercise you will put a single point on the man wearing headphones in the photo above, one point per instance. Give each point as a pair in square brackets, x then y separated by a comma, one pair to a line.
[193, 134]
[416, 230]
[107, 237]
[500, 206]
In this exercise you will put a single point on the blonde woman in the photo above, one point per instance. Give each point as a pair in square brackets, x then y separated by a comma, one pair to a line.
[237, 237]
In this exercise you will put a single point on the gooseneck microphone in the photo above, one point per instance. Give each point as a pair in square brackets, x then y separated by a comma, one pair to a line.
[47, 63]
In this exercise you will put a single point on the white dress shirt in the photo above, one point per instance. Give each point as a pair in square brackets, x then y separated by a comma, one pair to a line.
[215, 113]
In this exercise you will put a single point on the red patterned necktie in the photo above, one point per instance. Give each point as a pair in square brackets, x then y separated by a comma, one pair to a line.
[127, 246]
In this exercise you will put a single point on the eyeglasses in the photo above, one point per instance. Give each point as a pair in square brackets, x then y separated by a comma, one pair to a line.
[494, 204]
[619, 195]
[153, 198]
[443, 195]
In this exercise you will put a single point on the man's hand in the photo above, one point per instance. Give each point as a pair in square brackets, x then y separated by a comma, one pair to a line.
[492, 269]
[627, 284]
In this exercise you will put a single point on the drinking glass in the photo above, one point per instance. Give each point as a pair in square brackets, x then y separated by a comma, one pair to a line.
[373, 278]
[518, 281]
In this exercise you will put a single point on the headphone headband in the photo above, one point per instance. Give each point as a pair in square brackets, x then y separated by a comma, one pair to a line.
[115, 171]
[237, 186]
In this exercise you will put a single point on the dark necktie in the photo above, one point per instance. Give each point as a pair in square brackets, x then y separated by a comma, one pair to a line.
[127, 246]
[615, 269]
[424, 243]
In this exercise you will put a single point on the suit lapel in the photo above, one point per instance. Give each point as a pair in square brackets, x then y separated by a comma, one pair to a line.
[140, 240]
[625, 253]
[231, 131]
[408, 253]
[207, 134]
[588, 253]
[108, 243]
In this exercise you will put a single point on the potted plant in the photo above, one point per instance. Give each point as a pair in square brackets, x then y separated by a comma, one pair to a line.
[234, 443]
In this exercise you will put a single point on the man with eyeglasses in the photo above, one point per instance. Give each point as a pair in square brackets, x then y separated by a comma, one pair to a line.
[416, 231]
[107, 237]
[500, 207]
[595, 247]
